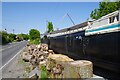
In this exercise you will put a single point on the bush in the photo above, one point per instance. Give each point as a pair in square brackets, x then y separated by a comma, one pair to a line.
[4, 40]
[12, 37]
[5, 37]
[9, 37]
[21, 37]
[34, 36]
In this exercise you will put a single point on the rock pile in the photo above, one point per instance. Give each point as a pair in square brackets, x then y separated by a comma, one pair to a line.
[57, 65]
[36, 54]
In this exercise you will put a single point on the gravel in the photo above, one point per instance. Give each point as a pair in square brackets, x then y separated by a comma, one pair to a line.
[15, 69]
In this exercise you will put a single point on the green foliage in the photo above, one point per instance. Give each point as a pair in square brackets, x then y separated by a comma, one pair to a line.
[118, 4]
[26, 37]
[50, 27]
[105, 8]
[5, 37]
[34, 36]
[44, 74]
[12, 37]
[22, 37]
[36, 41]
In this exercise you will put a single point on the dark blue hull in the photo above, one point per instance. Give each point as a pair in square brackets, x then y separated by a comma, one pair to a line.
[102, 50]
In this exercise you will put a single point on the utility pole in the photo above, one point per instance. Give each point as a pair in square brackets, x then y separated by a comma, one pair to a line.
[46, 24]
[13, 31]
[70, 19]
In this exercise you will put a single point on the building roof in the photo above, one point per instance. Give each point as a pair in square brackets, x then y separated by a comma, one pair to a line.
[72, 28]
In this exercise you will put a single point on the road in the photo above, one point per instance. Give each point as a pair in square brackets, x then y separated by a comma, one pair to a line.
[10, 50]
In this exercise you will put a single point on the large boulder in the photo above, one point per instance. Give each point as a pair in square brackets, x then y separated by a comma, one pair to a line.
[78, 69]
[55, 65]
[59, 57]
[61, 66]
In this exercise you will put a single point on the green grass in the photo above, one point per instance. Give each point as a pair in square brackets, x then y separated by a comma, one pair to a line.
[43, 74]
[24, 64]
[36, 41]
[20, 60]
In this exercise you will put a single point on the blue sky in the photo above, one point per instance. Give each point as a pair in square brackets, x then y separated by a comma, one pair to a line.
[23, 16]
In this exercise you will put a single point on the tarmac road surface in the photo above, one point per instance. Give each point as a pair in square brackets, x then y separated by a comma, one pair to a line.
[10, 50]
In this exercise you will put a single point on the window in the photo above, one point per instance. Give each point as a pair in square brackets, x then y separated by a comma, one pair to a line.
[111, 19]
[117, 17]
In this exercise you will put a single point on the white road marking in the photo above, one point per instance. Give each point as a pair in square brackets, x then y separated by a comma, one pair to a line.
[12, 58]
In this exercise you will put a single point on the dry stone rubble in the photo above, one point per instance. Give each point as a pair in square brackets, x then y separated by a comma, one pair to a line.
[57, 65]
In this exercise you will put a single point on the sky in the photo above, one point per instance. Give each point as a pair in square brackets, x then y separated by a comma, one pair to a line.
[23, 16]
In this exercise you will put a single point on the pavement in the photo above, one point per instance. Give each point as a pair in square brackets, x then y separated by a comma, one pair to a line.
[9, 51]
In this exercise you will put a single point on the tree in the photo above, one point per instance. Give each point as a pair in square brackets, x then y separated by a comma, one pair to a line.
[4, 36]
[50, 27]
[34, 36]
[12, 37]
[22, 37]
[118, 4]
[105, 8]
[25, 36]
